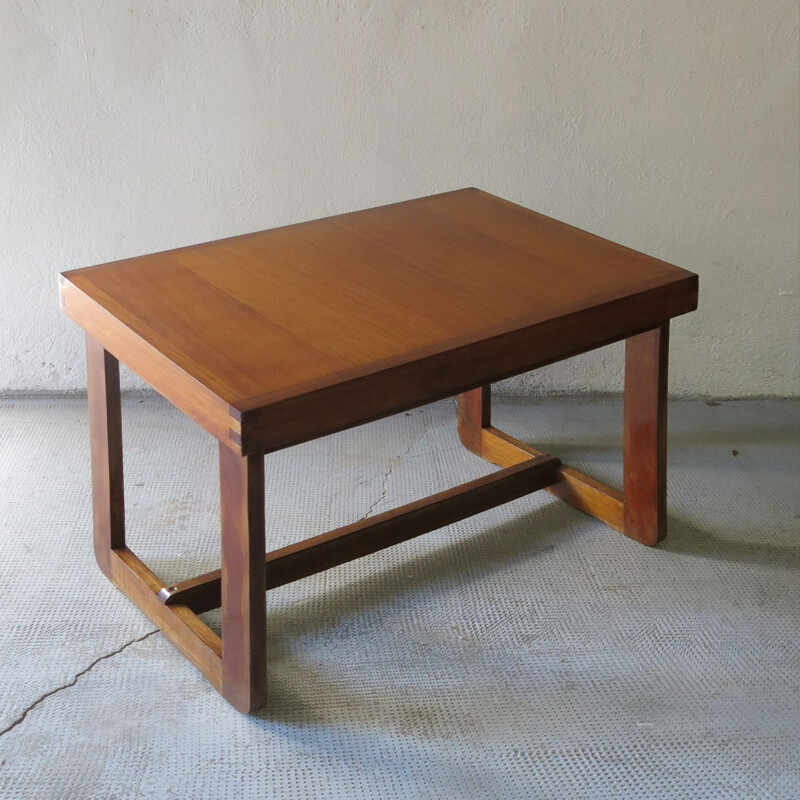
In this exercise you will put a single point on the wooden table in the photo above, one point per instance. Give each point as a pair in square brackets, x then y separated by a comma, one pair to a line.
[274, 338]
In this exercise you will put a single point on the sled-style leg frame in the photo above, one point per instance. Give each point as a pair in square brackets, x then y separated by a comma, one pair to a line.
[639, 510]
[235, 663]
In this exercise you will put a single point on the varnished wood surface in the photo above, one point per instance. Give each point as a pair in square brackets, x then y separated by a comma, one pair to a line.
[243, 583]
[178, 623]
[581, 491]
[105, 427]
[475, 414]
[645, 435]
[271, 339]
[111, 334]
[369, 535]
[573, 487]
[325, 324]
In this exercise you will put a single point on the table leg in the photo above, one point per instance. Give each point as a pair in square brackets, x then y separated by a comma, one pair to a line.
[645, 438]
[474, 415]
[105, 428]
[244, 625]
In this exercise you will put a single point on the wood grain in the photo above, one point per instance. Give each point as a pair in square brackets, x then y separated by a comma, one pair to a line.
[243, 581]
[273, 338]
[105, 433]
[149, 362]
[497, 447]
[275, 423]
[178, 623]
[187, 632]
[277, 337]
[369, 535]
[645, 437]
[474, 414]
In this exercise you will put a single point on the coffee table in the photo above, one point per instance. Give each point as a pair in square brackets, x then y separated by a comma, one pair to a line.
[274, 338]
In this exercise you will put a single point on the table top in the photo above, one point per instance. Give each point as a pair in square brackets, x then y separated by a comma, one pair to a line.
[267, 316]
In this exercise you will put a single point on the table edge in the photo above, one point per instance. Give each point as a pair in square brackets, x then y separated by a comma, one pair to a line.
[272, 422]
[200, 403]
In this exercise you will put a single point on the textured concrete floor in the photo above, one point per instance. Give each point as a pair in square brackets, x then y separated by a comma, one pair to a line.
[528, 652]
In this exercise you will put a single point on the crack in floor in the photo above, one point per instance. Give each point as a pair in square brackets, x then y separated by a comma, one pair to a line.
[388, 474]
[384, 491]
[40, 700]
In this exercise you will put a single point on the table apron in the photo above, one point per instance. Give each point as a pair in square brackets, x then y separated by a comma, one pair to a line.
[343, 405]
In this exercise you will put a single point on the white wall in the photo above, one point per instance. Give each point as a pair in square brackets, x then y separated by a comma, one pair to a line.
[668, 125]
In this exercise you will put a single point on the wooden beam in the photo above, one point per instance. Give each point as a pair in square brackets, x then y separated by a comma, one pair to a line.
[244, 613]
[105, 427]
[584, 493]
[474, 414]
[375, 533]
[645, 441]
[178, 623]
[573, 487]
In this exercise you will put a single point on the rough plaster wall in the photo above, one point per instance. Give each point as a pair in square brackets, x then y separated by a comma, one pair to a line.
[670, 126]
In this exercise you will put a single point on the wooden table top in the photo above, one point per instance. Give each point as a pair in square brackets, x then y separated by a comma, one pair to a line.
[279, 314]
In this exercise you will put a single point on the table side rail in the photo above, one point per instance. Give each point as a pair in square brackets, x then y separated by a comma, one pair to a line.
[327, 410]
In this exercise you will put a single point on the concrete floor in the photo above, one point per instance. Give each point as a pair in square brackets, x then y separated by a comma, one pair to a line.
[528, 652]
